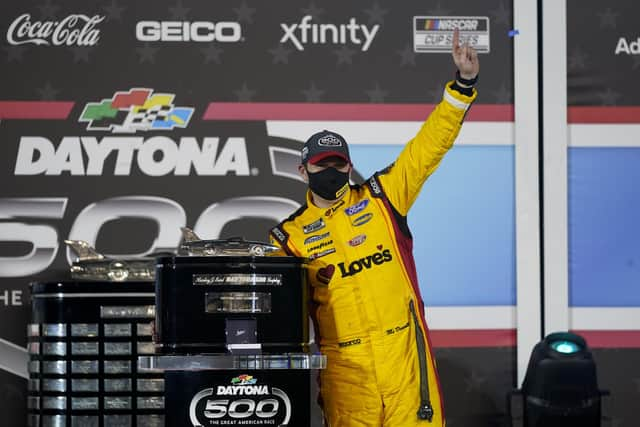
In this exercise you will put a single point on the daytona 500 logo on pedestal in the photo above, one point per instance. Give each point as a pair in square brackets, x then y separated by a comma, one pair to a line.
[261, 397]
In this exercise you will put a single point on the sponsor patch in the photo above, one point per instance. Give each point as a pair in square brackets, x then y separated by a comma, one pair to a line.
[365, 263]
[358, 207]
[314, 226]
[358, 240]
[316, 238]
[334, 208]
[321, 254]
[279, 234]
[320, 246]
[362, 219]
[375, 188]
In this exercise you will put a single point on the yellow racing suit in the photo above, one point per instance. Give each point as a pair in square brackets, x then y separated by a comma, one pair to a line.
[367, 308]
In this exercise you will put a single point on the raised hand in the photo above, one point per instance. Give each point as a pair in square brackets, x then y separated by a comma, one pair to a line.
[465, 57]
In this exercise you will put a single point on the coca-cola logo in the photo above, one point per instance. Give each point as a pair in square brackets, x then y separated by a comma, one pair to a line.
[75, 29]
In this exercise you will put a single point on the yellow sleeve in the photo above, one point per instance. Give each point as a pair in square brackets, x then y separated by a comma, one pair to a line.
[421, 156]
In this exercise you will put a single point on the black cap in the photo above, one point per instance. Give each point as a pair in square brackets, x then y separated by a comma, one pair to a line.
[325, 144]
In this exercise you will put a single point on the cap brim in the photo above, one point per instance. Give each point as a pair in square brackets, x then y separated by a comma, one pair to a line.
[321, 156]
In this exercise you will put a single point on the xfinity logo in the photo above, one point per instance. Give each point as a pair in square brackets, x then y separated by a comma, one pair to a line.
[75, 29]
[155, 156]
[358, 265]
[628, 47]
[183, 31]
[303, 33]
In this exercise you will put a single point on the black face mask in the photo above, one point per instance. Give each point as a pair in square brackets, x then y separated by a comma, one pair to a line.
[330, 184]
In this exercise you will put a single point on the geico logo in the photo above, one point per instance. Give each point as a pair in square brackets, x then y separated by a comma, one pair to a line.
[303, 32]
[155, 156]
[624, 46]
[179, 31]
[357, 266]
[462, 24]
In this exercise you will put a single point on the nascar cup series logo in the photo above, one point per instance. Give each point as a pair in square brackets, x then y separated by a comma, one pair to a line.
[434, 34]
[242, 401]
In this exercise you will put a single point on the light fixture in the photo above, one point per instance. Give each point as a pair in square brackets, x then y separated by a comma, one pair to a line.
[560, 387]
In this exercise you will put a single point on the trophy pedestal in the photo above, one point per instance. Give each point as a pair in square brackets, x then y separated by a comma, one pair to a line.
[223, 389]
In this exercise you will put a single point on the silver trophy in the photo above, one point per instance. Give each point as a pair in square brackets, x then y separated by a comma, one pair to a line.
[193, 245]
[92, 265]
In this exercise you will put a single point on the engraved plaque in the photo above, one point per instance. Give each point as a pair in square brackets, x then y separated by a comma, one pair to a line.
[33, 330]
[117, 366]
[84, 348]
[54, 402]
[117, 330]
[58, 384]
[84, 403]
[84, 329]
[33, 420]
[238, 302]
[117, 420]
[144, 329]
[119, 402]
[239, 279]
[54, 421]
[150, 402]
[85, 421]
[54, 330]
[145, 348]
[117, 384]
[128, 311]
[150, 384]
[54, 348]
[33, 402]
[33, 347]
[117, 348]
[151, 420]
[57, 367]
[84, 384]
[84, 366]
[34, 366]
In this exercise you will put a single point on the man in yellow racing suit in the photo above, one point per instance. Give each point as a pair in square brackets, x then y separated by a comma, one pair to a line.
[367, 309]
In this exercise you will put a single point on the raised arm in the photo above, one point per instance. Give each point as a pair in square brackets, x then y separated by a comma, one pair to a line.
[421, 156]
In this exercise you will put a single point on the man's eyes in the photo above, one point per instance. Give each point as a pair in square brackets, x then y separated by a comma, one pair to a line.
[337, 165]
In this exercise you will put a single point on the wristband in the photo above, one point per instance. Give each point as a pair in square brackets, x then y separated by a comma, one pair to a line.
[467, 82]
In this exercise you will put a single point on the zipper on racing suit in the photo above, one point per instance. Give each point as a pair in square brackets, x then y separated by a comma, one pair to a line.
[425, 411]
